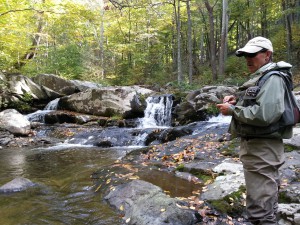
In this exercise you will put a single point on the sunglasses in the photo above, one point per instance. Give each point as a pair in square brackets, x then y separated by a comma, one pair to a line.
[252, 55]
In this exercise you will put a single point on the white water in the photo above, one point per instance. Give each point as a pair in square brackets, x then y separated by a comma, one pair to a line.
[220, 119]
[52, 105]
[157, 112]
[39, 116]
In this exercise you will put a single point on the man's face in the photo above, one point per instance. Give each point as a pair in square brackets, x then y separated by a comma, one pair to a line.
[257, 60]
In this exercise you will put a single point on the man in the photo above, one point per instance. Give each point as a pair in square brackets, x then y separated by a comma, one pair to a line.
[256, 112]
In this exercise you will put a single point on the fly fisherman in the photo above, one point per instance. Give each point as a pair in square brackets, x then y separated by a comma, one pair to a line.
[256, 113]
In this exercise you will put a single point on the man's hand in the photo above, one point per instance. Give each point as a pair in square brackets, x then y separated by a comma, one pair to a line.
[225, 108]
[230, 99]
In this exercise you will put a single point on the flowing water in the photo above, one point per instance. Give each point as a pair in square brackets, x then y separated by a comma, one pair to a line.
[65, 193]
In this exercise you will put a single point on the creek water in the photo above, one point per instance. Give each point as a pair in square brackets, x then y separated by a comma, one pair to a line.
[65, 192]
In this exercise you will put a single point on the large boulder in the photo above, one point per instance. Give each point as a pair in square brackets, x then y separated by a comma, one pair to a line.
[200, 104]
[144, 203]
[16, 88]
[56, 83]
[14, 122]
[107, 101]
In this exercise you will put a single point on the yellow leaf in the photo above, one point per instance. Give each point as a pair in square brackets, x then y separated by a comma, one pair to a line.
[121, 208]
[163, 210]
[134, 177]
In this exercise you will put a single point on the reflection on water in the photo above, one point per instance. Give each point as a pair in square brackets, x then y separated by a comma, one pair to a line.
[65, 192]
[64, 195]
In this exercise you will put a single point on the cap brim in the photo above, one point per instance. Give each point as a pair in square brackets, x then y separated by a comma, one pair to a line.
[247, 49]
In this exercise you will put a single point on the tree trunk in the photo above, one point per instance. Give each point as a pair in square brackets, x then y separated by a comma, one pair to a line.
[264, 22]
[223, 49]
[35, 41]
[179, 65]
[287, 19]
[212, 41]
[102, 76]
[190, 44]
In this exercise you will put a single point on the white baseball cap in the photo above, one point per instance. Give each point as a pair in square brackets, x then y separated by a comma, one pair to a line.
[255, 45]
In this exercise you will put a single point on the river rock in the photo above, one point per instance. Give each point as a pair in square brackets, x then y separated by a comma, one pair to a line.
[56, 83]
[14, 122]
[198, 104]
[107, 101]
[84, 85]
[225, 184]
[289, 214]
[144, 203]
[16, 88]
[16, 185]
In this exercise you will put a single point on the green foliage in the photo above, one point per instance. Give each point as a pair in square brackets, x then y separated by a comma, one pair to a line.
[66, 61]
[212, 109]
[135, 44]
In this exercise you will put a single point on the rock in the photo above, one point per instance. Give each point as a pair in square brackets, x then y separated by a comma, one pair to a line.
[18, 90]
[225, 184]
[289, 213]
[109, 101]
[14, 122]
[229, 166]
[197, 104]
[84, 85]
[295, 140]
[56, 83]
[144, 203]
[16, 185]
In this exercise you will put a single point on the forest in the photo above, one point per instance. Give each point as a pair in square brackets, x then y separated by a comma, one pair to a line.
[144, 42]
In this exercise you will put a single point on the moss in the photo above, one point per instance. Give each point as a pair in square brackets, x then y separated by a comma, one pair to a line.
[283, 198]
[232, 204]
[180, 168]
[202, 175]
[289, 148]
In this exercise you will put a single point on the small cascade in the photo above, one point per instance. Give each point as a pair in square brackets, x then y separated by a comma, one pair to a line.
[52, 105]
[157, 112]
[39, 116]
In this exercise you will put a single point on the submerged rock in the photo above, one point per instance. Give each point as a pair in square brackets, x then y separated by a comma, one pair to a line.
[16, 185]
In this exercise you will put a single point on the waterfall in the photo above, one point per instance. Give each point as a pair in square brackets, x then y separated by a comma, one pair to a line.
[52, 105]
[39, 116]
[157, 112]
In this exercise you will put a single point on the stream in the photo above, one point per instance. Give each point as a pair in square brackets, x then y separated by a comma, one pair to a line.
[65, 192]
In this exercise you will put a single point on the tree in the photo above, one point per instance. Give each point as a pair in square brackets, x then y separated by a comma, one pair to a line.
[212, 41]
[178, 23]
[223, 48]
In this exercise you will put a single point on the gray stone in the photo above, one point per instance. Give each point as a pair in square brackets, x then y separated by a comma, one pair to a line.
[14, 122]
[144, 203]
[16, 185]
